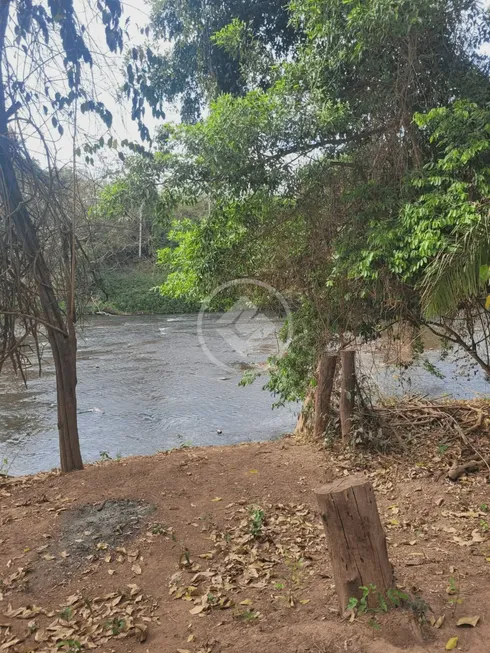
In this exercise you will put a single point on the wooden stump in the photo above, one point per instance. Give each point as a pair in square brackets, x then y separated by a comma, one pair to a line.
[347, 391]
[355, 537]
[323, 394]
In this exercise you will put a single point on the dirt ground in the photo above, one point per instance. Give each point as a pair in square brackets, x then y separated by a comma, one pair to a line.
[221, 550]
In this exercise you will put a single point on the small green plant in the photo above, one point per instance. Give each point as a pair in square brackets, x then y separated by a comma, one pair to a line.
[484, 525]
[419, 607]
[248, 615]
[484, 507]
[66, 614]
[69, 646]
[453, 591]
[184, 444]
[116, 625]
[4, 467]
[212, 599]
[158, 529]
[394, 599]
[396, 596]
[248, 377]
[104, 455]
[257, 517]
[452, 587]
[442, 448]
[118, 456]
[279, 586]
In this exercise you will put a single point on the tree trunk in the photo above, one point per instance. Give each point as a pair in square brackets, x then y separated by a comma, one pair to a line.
[303, 423]
[140, 236]
[347, 391]
[65, 360]
[63, 343]
[356, 539]
[323, 394]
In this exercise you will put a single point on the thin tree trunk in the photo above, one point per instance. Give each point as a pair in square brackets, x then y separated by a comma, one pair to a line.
[323, 394]
[63, 343]
[140, 238]
[347, 391]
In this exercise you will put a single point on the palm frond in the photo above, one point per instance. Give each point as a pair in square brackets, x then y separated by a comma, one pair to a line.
[456, 276]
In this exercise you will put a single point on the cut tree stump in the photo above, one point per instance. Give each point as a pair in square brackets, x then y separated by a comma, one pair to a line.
[347, 390]
[355, 537]
[323, 393]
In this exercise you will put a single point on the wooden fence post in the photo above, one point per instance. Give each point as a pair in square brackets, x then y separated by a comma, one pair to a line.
[323, 393]
[347, 391]
[355, 537]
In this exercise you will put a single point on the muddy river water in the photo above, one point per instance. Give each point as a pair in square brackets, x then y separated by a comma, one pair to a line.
[158, 382]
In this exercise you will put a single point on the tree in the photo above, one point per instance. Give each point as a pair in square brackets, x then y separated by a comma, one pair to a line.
[196, 68]
[48, 41]
[130, 202]
[311, 178]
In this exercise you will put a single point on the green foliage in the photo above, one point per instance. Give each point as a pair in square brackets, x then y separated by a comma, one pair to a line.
[327, 169]
[69, 646]
[158, 529]
[66, 613]
[134, 289]
[394, 599]
[4, 467]
[182, 260]
[292, 374]
[452, 214]
[257, 516]
[196, 66]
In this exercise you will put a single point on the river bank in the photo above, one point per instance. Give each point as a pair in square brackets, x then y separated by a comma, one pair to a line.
[222, 550]
[133, 290]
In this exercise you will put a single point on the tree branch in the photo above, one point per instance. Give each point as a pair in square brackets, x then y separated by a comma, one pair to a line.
[36, 319]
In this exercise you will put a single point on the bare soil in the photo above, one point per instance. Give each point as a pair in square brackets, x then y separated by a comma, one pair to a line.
[221, 550]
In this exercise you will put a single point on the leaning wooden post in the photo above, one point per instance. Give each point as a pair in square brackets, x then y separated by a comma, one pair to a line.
[347, 391]
[323, 393]
[355, 537]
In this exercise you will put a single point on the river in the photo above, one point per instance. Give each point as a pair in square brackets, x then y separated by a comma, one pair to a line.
[144, 384]
[155, 383]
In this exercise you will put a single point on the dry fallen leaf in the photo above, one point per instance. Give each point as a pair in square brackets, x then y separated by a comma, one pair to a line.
[136, 569]
[452, 643]
[468, 621]
[216, 499]
[141, 631]
[197, 609]
[9, 644]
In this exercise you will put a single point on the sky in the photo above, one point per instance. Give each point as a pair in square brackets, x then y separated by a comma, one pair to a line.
[107, 80]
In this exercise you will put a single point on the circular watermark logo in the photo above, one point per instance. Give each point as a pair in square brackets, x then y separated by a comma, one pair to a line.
[243, 331]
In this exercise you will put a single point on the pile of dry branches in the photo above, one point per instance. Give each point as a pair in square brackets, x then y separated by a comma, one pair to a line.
[465, 422]
[459, 418]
